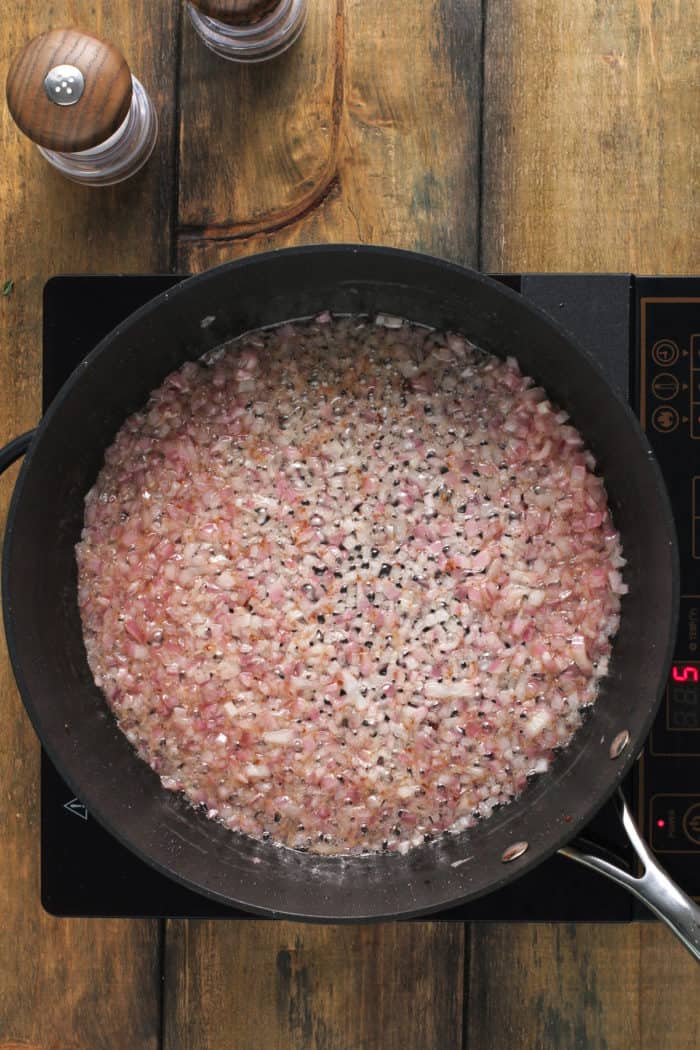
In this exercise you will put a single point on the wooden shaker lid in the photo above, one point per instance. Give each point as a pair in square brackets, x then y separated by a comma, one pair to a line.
[236, 12]
[95, 73]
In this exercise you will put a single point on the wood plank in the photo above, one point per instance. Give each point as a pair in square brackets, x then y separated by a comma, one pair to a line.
[283, 986]
[669, 992]
[258, 144]
[567, 987]
[590, 136]
[368, 130]
[73, 985]
[560, 986]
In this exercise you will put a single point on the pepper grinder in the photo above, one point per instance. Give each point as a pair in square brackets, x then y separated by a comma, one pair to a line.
[74, 96]
[248, 30]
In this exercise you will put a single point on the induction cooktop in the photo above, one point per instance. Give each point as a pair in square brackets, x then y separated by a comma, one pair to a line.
[645, 333]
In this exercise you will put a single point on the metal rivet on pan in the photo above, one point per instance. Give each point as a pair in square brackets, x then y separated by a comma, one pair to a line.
[514, 851]
[619, 743]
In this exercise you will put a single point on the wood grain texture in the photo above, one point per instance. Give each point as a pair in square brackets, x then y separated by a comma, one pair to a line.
[256, 142]
[68, 985]
[610, 986]
[366, 131]
[669, 992]
[101, 108]
[283, 986]
[541, 987]
[591, 153]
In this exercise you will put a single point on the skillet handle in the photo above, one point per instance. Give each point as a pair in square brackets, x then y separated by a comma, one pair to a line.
[654, 888]
[14, 450]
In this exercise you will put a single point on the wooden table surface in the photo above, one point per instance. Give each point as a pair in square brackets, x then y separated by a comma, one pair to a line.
[509, 135]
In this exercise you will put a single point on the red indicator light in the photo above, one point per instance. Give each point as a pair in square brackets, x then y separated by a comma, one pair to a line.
[661, 823]
[685, 673]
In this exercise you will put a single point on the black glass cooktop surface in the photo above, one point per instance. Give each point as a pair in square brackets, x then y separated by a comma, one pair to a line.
[645, 332]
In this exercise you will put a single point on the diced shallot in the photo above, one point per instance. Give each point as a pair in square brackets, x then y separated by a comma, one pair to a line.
[347, 584]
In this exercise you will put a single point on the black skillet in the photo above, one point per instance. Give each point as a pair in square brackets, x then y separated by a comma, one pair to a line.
[74, 723]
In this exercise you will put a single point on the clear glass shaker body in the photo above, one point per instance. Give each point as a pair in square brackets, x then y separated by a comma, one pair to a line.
[256, 41]
[121, 155]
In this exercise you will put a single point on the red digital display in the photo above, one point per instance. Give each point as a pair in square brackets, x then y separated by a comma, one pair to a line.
[685, 673]
[683, 697]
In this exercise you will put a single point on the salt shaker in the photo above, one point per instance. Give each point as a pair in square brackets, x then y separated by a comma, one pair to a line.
[74, 96]
[248, 30]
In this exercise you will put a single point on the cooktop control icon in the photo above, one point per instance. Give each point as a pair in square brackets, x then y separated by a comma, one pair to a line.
[691, 823]
[665, 419]
[665, 386]
[665, 353]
